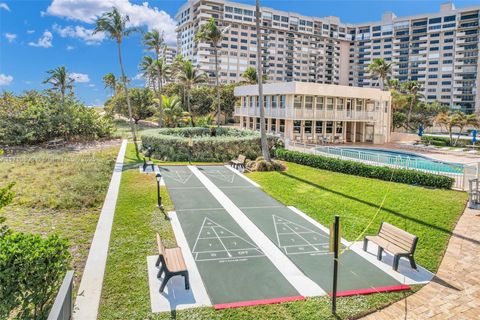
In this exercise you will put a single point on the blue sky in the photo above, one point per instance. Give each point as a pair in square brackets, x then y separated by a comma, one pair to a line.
[39, 35]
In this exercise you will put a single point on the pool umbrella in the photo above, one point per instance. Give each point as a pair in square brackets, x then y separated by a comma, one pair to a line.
[474, 136]
[420, 130]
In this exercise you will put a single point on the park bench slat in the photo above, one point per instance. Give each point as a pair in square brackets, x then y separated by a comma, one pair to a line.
[396, 241]
[172, 262]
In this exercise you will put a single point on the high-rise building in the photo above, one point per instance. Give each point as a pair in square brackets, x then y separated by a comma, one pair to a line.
[169, 54]
[440, 50]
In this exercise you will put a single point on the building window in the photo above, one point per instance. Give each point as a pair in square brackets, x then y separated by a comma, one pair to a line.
[329, 127]
[282, 102]
[339, 127]
[297, 102]
[266, 102]
[251, 123]
[273, 127]
[245, 102]
[309, 102]
[340, 102]
[282, 126]
[359, 104]
[329, 103]
[319, 103]
[274, 101]
[257, 126]
[319, 127]
[297, 125]
[308, 127]
[252, 102]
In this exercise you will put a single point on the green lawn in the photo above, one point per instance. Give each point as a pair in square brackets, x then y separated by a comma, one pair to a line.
[430, 214]
[125, 290]
[59, 192]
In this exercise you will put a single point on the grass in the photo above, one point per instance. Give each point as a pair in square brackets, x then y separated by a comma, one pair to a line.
[431, 214]
[59, 192]
[125, 292]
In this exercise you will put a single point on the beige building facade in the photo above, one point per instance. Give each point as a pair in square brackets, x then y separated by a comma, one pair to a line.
[318, 113]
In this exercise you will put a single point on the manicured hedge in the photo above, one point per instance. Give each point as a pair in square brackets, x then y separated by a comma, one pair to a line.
[172, 144]
[444, 141]
[364, 170]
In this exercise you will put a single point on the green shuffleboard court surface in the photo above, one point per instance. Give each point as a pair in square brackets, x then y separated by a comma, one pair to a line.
[233, 269]
[304, 243]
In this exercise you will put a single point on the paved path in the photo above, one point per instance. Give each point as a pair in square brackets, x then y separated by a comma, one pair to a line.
[90, 290]
[455, 291]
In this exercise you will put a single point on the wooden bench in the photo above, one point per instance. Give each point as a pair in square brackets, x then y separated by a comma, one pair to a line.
[147, 164]
[396, 241]
[239, 162]
[172, 263]
[55, 143]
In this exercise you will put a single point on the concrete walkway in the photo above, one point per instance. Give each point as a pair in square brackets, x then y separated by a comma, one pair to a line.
[90, 290]
[455, 291]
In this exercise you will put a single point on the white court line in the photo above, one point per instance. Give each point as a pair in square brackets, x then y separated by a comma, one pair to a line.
[265, 207]
[243, 176]
[404, 275]
[200, 209]
[304, 285]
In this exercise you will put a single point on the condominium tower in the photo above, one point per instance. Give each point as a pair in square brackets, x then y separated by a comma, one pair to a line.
[440, 50]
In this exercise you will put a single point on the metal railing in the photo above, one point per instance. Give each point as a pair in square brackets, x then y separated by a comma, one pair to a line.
[461, 173]
[63, 306]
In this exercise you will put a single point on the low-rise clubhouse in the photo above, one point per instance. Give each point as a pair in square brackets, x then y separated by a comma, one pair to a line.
[318, 113]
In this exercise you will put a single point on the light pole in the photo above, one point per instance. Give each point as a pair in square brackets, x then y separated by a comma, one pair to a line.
[158, 176]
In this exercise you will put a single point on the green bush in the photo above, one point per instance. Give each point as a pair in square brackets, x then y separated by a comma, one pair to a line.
[172, 144]
[364, 170]
[32, 269]
[445, 142]
[34, 118]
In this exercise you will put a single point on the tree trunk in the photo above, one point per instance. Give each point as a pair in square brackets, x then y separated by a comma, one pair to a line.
[218, 84]
[159, 94]
[410, 109]
[263, 132]
[192, 123]
[124, 79]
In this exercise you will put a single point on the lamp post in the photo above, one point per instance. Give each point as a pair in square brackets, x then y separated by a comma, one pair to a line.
[158, 176]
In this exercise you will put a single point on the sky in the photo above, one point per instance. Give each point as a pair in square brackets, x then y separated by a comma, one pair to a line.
[39, 35]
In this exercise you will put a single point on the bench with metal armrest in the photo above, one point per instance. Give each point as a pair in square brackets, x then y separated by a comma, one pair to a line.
[239, 162]
[396, 241]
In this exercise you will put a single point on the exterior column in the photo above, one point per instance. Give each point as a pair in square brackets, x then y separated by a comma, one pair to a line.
[354, 132]
[364, 126]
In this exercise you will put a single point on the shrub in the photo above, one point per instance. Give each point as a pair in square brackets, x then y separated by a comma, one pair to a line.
[32, 271]
[172, 144]
[364, 170]
[444, 141]
[261, 165]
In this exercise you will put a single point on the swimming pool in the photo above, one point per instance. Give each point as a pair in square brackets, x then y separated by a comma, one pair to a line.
[393, 157]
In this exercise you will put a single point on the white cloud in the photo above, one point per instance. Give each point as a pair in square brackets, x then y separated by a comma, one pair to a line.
[45, 40]
[91, 85]
[140, 15]
[139, 76]
[5, 80]
[79, 32]
[79, 77]
[10, 36]
[30, 31]
[70, 48]
[4, 6]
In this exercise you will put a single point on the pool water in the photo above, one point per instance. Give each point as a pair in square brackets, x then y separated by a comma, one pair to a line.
[391, 157]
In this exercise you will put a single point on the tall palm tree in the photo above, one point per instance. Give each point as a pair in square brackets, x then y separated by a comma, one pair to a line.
[60, 80]
[212, 34]
[154, 41]
[263, 131]
[380, 69]
[190, 76]
[115, 26]
[110, 81]
[250, 76]
[412, 88]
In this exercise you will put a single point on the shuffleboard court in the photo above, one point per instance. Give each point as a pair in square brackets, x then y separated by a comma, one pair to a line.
[234, 271]
[304, 243]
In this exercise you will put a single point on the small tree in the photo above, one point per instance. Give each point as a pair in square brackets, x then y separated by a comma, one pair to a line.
[189, 76]
[458, 120]
[250, 76]
[141, 101]
[60, 81]
[6, 196]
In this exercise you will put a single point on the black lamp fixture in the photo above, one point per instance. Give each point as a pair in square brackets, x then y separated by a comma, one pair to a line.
[158, 176]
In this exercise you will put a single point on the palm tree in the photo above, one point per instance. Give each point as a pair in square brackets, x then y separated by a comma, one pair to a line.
[174, 114]
[412, 88]
[394, 84]
[456, 119]
[190, 76]
[60, 80]
[211, 33]
[154, 41]
[110, 81]
[263, 132]
[380, 69]
[114, 24]
[250, 76]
